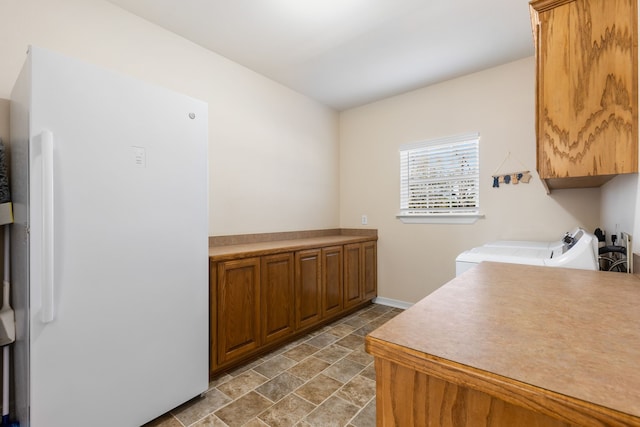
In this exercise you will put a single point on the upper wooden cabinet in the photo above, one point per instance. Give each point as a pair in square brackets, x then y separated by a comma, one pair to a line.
[587, 90]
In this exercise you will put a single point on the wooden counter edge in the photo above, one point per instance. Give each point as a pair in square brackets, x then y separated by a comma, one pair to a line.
[271, 248]
[530, 397]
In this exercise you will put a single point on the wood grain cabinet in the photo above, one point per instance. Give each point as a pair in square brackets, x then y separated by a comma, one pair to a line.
[587, 90]
[353, 291]
[332, 280]
[369, 270]
[238, 308]
[360, 273]
[261, 302]
[277, 297]
[308, 287]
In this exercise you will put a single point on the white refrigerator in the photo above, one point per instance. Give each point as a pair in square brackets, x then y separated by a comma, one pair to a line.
[109, 247]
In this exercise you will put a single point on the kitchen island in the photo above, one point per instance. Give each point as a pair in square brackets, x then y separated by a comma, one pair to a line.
[514, 345]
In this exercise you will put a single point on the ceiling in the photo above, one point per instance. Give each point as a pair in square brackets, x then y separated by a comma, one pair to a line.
[346, 53]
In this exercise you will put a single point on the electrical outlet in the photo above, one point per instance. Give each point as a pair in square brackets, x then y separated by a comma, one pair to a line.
[364, 220]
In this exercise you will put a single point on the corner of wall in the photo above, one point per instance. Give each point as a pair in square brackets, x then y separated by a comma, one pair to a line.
[4, 120]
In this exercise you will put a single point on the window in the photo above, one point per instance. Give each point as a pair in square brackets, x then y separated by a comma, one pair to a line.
[440, 180]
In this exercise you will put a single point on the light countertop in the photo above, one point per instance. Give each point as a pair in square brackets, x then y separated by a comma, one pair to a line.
[571, 332]
[219, 253]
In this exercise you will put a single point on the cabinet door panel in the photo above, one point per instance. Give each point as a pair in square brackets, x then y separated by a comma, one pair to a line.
[238, 308]
[276, 288]
[308, 287]
[554, 116]
[587, 90]
[332, 274]
[352, 275]
[370, 269]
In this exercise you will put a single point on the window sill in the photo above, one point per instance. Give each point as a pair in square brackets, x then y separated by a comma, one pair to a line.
[440, 218]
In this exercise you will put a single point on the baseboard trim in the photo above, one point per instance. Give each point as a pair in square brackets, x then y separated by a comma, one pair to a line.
[392, 302]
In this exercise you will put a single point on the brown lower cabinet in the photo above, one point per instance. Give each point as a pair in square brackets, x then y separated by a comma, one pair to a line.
[308, 288]
[332, 280]
[238, 309]
[360, 277]
[369, 264]
[261, 302]
[277, 296]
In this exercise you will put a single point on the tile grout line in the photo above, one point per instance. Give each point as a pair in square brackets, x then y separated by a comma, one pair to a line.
[295, 344]
[334, 393]
[311, 379]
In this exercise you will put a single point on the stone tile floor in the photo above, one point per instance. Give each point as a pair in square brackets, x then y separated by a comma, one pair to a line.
[323, 379]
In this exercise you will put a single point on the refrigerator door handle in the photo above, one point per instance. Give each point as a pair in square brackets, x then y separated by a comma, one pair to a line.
[48, 312]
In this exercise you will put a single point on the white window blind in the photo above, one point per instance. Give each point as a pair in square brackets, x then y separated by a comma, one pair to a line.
[440, 177]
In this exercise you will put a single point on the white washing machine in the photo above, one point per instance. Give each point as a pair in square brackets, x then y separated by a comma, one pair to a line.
[577, 249]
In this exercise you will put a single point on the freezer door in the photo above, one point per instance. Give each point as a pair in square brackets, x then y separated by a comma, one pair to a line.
[19, 150]
[119, 294]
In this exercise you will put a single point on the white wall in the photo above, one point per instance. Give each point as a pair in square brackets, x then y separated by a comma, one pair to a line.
[276, 163]
[620, 202]
[618, 206]
[273, 152]
[4, 120]
[415, 259]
